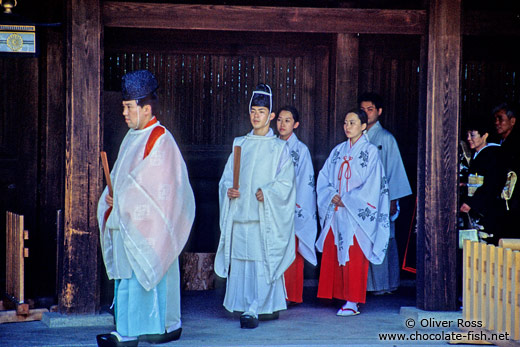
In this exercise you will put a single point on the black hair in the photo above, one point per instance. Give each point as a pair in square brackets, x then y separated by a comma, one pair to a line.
[480, 124]
[293, 110]
[374, 98]
[150, 99]
[508, 109]
[362, 115]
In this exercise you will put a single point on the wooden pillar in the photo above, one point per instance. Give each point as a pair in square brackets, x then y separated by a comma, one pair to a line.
[79, 292]
[51, 158]
[438, 186]
[346, 84]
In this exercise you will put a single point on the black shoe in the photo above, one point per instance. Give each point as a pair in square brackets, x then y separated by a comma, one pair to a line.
[110, 340]
[248, 321]
[269, 316]
[161, 338]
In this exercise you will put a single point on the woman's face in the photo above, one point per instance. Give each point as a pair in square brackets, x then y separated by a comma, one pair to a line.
[475, 140]
[286, 124]
[353, 127]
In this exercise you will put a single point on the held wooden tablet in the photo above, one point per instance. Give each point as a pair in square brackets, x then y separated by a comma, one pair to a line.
[236, 166]
[106, 170]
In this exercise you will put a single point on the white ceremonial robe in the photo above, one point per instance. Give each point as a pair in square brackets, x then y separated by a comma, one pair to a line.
[390, 155]
[257, 238]
[305, 222]
[364, 192]
[151, 218]
[385, 276]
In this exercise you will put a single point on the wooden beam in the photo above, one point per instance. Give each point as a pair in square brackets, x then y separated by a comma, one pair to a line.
[79, 292]
[421, 164]
[345, 85]
[440, 181]
[252, 18]
[52, 155]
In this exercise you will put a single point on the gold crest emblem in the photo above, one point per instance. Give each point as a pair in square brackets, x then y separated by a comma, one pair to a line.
[15, 42]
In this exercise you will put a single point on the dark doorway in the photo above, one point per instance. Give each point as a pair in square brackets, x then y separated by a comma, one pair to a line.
[206, 79]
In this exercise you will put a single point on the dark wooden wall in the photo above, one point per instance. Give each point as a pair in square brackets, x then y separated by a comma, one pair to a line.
[51, 178]
[205, 88]
[32, 153]
[490, 75]
[19, 150]
[437, 199]
[389, 65]
[384, 63]
[206, 79]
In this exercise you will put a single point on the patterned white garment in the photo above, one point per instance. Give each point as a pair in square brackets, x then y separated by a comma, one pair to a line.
[305, 222]
[357, 175]
[153, 209]
[385, 276]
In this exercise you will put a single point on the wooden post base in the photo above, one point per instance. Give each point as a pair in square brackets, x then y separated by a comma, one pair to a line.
[22, 313]
[197, 271]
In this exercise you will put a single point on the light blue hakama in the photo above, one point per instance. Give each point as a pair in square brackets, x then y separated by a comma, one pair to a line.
[386, 276]
[139, 312]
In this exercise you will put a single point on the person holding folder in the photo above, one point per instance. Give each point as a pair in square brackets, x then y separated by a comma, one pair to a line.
[145, 219]
[257, 218]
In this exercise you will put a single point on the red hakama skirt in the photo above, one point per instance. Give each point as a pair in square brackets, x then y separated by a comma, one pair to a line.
[347, 282]
[294, 278]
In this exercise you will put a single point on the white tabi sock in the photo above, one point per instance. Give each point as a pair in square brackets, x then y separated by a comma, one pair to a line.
[351, 305]
[123, 338]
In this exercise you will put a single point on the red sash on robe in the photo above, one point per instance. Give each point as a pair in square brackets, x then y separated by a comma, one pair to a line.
[152, 139]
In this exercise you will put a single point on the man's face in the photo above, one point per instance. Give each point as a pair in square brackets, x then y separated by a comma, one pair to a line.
[130, 112]
[372, 112]
[260, 117]
[504, 124]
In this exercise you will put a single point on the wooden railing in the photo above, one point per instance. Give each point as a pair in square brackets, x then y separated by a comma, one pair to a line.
[16, 308]
[15, 254]
[491, 287]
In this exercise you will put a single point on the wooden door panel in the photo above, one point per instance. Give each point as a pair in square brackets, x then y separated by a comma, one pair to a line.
[18, 150]
[204, 93]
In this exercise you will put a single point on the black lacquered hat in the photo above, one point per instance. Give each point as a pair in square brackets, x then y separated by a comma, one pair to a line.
[262, 96]
[138, 84]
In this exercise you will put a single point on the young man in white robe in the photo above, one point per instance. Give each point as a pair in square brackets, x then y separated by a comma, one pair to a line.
[384, 278]
[257, 219]
[353, 208]
[145, 222]
[305, 218]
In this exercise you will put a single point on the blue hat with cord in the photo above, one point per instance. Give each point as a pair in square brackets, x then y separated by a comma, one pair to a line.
[138, 84]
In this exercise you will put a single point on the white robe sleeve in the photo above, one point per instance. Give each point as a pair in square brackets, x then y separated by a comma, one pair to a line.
[325, 191]
[398, 183]
[277, 219]
[305, 223]
[222, 257]
[156, 209]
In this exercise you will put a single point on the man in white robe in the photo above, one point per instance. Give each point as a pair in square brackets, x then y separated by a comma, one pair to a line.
[384, 278]
[257, 219]
[305, 219]
[145, 222]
